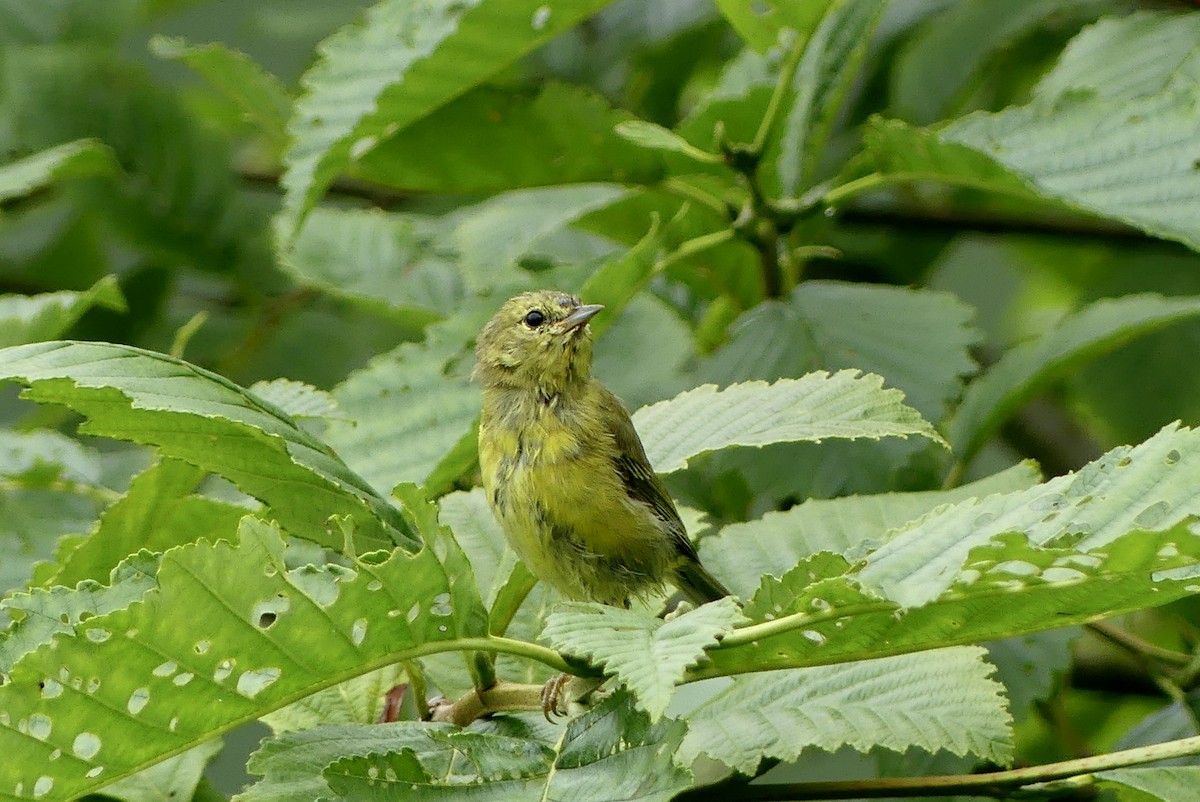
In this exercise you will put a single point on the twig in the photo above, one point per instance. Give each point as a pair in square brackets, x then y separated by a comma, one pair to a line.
[1139, 647]
[997, 783]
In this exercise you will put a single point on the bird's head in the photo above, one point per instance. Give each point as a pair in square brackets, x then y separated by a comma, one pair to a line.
[536, 341]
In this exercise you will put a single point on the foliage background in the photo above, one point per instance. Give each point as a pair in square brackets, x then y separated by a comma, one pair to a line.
[179, 197]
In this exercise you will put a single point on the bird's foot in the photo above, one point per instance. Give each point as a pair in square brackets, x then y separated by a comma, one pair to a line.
[562, 690]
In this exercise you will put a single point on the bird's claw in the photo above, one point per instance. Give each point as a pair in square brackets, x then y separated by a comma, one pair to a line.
[552, 696]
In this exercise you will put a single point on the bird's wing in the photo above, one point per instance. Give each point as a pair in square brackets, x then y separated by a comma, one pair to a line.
[640, 480]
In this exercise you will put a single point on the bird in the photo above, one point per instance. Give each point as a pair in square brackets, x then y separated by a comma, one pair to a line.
[565, 472]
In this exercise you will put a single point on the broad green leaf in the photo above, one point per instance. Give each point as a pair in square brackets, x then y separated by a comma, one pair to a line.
[196, 416]
[1030, 666]
[1162, 783]
[1125, 152]
[1027, 369]
[760, 22]
[30, 318]
[174, 778]
[406, 409]
[469, 517]
[493, 235]
[256, 93]
[359, 700]
[742, 553]
[159, 511]
[1147, 487]
[41, 614]
[297, 399]
[609, 754]
[821, 612]
[1108, 58]
[736, 104]
[400, 63]
[815, 407]
[49, 487]
[943, 62]
[918, 340]
[617, 282]
[388, 261]
[937, 700]
[82, 158]
[818, 87]
[647, 654]
[492, 140]
[133, 686]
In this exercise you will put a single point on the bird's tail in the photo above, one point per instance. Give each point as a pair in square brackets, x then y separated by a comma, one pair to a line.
[695, 582]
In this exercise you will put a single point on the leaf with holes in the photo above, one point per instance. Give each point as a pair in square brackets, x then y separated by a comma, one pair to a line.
[742, 553]
[647, 654]
[816, 407]
[943, 699]
[199, 417]
[134, 686]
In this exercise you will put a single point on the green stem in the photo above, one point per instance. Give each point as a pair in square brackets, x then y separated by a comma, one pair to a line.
[771, 115]
[685, 190]
[997, 783]
[1138, 646]
[867, 183]
[787, 623]
[694, 246]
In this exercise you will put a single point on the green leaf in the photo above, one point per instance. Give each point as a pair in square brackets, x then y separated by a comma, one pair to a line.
[654, 137]
[617, 282]
[388, 261]
[1164, 783]
[609, 754]
[296, 399]
[395, 67]
[942, 63]
[918, 340]
[158, 512]
[647, 654]
[174, 778]
[760, 22]
[1148, 486]
[199, 417]
[1027, 369]
[41, 613]
[1030, 666]
[48, 488]
[937, 700]
[359, 700]
[256, 93]
[1107, 58]
[1126, 152]
[82, 158]
[742, 553]
[476, 530]
[28, 319]
[813, 100]
[133, 686]
[821, 612]
[493, 235]
[815, 407]
[492, 140]
[407, 409]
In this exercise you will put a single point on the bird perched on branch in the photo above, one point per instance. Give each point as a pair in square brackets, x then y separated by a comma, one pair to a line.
[564, 470]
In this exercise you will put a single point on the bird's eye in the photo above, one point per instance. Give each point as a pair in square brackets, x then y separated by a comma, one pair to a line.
[534, 319]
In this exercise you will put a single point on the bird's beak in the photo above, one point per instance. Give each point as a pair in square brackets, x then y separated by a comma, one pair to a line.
[579, 318]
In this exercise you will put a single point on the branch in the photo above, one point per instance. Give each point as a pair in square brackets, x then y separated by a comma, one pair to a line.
[997, 783]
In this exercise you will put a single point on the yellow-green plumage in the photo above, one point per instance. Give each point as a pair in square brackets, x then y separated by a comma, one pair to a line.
[564, 470]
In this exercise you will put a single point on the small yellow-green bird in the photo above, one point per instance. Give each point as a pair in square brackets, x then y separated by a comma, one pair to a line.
[564, 470]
